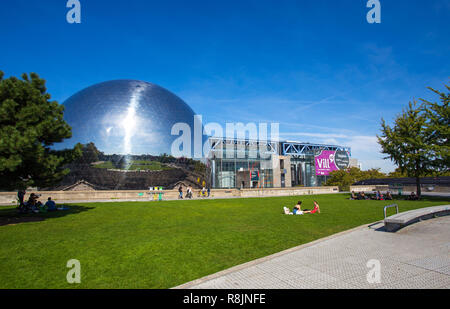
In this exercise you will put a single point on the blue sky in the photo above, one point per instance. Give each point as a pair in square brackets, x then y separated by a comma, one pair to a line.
[316, 67]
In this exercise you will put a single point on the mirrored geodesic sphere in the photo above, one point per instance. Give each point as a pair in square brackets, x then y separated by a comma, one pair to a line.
[126, 117]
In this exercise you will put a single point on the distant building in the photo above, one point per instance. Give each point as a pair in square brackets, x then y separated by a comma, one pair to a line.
[236, 163]
[355, 163]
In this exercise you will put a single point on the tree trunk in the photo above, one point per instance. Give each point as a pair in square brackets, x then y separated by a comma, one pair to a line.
[419, 189]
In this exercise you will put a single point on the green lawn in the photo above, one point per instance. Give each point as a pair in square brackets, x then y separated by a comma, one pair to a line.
[137, 165]
[164, 244]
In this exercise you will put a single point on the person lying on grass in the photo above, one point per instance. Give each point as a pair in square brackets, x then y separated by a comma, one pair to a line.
[298, 209]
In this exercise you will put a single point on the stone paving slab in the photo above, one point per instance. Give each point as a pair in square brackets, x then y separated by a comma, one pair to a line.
[418, 256]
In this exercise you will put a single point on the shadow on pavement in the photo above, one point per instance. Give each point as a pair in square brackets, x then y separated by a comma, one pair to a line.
[378, 226]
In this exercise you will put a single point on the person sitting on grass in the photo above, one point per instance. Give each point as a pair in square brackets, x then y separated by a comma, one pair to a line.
[362, 196]
[298, 209]
[413, 196]
[377, 195]
[316, 209]
[50, 205]
[33, 204]
[353, 197]
[31, 200]
[388, 196]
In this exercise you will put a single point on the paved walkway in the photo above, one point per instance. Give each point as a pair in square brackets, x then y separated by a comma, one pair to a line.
[417, 256]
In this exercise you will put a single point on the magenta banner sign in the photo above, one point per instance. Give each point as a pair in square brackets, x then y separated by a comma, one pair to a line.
[328, 161]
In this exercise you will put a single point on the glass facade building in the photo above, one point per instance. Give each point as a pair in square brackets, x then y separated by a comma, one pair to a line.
[303, 165]
[241, 163]
[251, 164]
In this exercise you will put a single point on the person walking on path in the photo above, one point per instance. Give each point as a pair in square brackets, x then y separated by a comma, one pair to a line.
[180, 190]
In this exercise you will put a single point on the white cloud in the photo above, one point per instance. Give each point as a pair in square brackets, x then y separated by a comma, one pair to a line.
[364, 144]
[319, 135]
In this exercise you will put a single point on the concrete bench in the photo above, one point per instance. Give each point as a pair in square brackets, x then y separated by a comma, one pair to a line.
[398, 221]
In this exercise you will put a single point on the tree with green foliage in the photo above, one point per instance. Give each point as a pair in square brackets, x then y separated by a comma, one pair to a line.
[199, 167]
[405, 143]
[373, 173]
[438, 131]
[345, 178]
[397, 173]
[418, 143]
[90, 154]
[30, 124]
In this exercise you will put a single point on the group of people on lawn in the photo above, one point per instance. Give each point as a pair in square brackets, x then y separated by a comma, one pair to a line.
[33, 204]
[377, 195]
[297, 210]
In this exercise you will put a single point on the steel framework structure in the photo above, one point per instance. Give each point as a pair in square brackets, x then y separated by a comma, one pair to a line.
[294, 149]
[297, 149]
[218, 144]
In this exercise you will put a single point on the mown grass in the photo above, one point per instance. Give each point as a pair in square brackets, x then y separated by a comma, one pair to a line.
[164, 244]
[137, 165]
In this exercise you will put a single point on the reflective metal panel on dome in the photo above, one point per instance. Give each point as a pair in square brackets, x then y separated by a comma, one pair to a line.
[126, 117]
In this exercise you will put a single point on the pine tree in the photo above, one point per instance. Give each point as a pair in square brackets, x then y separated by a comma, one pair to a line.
[29, 125]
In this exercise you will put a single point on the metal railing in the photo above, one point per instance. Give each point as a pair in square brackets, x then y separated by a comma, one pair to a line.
[389, 206]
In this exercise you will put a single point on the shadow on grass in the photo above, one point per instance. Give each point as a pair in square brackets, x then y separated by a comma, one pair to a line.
[424, 198]
[11, 216]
